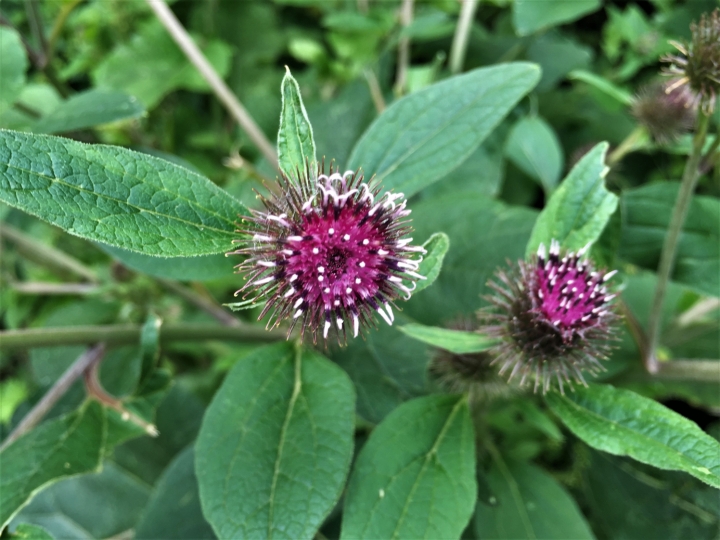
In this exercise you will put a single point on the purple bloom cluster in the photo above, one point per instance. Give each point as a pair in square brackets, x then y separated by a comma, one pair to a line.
[329, 253]
[553, 318]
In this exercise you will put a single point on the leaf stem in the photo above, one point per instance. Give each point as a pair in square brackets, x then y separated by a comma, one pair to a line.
[689, 370]
[667, 257]
[124, 334]
[462, 35]
[37, 413]
[375, 90]
[403, 62]
[631, 143]
[218, 86]
[208, 305]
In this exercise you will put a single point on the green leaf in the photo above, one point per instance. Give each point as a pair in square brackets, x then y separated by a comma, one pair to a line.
[646, 215]
[528, 503]
[415, 477]
[150, 344]
[295, 143]
[13, 65]
[88, 109]
[25, 531]
[534, 148]
[455, 341]
[101, 505]
[624, 423]
[532, 15]
[579, 209]
[291, 414]
[57, 449]
[174, 507]
[620, 95]
[116, 196]
[422, 137]
[556, 54]
[436, 246]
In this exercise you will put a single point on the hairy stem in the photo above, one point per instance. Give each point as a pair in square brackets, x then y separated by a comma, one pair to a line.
[37, 413]
[689, 370]
[406, 16]
[218, 86]
[667, 257]
[462, 35]
[124, 334]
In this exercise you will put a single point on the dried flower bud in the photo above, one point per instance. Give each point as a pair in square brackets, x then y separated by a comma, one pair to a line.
[698, 64]
[553, 317]
[329, 252]
[471, 373]
[665, 112]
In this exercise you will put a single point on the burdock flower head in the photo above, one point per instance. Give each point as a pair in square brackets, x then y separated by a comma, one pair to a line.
[329, 253]
[698, 64]
[553, 317]
[666, 112]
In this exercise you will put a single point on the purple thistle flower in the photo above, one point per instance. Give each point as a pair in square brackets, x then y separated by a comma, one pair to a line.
[329, 253]
[553, 318]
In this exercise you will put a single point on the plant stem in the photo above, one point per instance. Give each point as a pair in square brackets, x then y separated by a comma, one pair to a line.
[689, 370]
[406, 17]
[218, 86]
[58, 25]
[375, 90]
[667, 257]
[631, 143]
[462, 35]
[39, 287]
[124, 334]
[42, 407]
[202, 302]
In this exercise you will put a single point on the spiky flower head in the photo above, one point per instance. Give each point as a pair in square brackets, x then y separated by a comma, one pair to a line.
[329, 252]
[471, 373]
[665, 112]
[553, 317]
[698, 64]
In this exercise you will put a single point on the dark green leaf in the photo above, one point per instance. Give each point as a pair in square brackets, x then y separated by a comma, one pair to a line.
[54, 450]
[557, 55]
[579, 209]
[415, 477]
[528, 503]
[455, 341]
[424, 136]
[289, 413]
[295, 143]
[116, 196]
[624, 423]
[535, 149]
[646, 215]
[88, 109]
[531, 15]
[436, 246]
[174, 507]
[13, 64]
[25, 531]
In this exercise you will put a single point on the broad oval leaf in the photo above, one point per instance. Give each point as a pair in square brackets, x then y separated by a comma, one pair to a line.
[295, 143]
[415, 477]
[422, 137]
[275, 445]
[436, 246]
[579, 209]
[528, 503]
[533, 146]
[531, 15]
[455, 341]
[88, 109]
[624, 423]
[116, 196]
[70, 445]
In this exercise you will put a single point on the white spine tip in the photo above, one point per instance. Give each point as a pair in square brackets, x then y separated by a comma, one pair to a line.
[298, 313]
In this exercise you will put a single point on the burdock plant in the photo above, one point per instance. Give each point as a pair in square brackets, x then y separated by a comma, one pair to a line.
[329, 251]
[553, 317]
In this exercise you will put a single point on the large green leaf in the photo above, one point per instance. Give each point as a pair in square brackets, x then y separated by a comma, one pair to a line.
[54, 450]
[13, 64]
[415, 477]
[528, 503]
[456, 341]
[116, 196]
[88, 109]
[422, 137]
[624, 423]
[533, 146]
[174, 507]
[275, 445]
[646, 215]
[579, 209]
[295, 143]
[532, 15]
